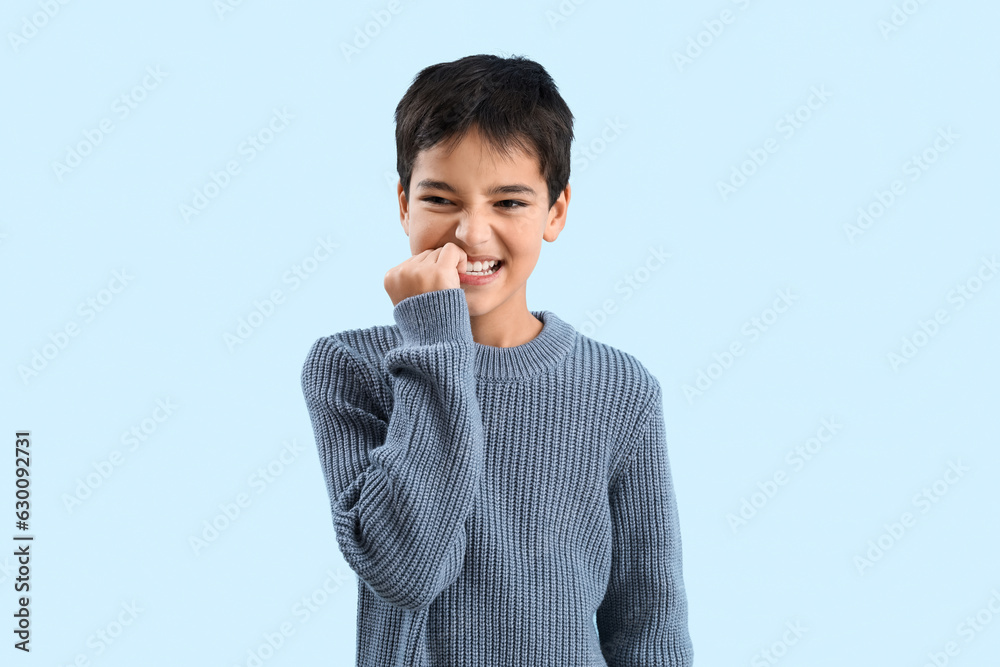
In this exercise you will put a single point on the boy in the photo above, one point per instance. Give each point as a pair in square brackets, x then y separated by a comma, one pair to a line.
[498, 481]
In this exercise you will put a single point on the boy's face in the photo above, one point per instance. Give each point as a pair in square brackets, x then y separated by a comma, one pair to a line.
[450, 200]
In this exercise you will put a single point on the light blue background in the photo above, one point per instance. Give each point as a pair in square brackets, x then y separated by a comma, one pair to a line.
[329, 174]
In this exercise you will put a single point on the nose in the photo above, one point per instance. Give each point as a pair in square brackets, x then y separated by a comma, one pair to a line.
[472, 229]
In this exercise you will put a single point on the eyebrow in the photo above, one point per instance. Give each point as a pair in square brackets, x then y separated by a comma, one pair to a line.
[514, 189]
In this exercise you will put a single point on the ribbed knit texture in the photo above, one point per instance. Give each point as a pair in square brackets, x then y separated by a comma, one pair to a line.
[492, 500]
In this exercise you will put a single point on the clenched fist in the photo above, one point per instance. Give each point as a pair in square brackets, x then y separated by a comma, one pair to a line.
[427, 271]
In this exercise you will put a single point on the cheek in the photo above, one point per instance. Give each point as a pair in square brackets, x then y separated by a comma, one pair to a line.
[421, 234]
[526, 257]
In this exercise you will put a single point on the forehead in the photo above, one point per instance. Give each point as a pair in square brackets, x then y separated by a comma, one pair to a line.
[471, 154]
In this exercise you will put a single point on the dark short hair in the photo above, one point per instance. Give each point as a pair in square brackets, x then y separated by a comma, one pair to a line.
[513, 102]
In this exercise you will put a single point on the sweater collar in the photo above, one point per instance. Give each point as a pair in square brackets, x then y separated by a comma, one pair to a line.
[538, 355]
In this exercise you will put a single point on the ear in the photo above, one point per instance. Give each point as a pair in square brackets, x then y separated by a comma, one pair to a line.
[557, 216]
[404, 208]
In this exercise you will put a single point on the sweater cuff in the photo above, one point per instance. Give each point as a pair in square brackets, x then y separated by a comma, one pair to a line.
[434, 317]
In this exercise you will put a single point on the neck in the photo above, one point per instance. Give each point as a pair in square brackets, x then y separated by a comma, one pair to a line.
[508, 325]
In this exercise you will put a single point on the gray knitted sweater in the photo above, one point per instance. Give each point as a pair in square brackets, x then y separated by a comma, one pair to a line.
[501, 506]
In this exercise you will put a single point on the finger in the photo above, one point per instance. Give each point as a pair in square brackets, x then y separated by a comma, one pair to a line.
[430, 256]
[452, 255]
[420, 257]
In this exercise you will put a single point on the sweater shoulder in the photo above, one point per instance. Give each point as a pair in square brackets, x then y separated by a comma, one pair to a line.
[352, 356]
[368, 344]
[620, 372]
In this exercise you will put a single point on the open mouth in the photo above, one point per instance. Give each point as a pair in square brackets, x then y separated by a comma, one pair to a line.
[486, 272]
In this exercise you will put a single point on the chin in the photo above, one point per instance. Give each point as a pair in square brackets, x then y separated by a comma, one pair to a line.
[478, 306]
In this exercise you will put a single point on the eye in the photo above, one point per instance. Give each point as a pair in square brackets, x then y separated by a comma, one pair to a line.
[517, 204]
[440, 200]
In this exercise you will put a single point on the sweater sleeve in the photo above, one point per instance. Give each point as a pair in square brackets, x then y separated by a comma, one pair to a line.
[643, 617]
[401, 486]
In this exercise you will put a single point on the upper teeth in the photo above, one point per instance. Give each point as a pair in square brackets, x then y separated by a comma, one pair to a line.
[479, 266]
